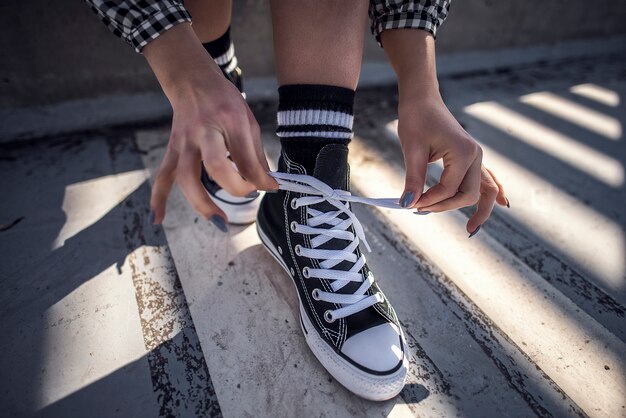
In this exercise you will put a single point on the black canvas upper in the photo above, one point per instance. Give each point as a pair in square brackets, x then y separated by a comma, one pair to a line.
[275, 216]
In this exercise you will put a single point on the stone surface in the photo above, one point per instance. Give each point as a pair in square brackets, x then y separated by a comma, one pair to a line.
[105, 314]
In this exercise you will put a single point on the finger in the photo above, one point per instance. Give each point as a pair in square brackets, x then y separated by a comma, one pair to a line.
[246, 157]
[501, 198]
[416, 163]
[255, 129]
[489, 191]
[220, 168]
[454, 172]
[467, 195]
[188, 179]
[163, 185]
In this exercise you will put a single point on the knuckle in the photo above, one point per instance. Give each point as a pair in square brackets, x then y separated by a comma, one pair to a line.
[228, 109]
[413, 180]
[478, 152]
[214, 162]
[446, 192]
[255, 128]
[175, 143]
[468, 147]
[491, 190]
[470, 198]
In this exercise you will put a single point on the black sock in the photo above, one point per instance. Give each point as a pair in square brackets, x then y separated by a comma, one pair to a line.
[222, 50]
[311, 116]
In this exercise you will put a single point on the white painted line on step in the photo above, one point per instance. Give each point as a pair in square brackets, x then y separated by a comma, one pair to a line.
[567, 344]
[603, 167]
[575, 113]
[598, 93]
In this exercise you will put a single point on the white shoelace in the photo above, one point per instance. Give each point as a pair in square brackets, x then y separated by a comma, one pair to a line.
[325, 226]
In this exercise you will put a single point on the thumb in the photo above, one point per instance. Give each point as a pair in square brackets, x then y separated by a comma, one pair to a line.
[416, 163]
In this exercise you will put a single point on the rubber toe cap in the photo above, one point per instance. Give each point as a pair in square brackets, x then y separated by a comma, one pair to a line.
[378, 348]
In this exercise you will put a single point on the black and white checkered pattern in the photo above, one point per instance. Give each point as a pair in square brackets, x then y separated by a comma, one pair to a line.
[315, 111]
[139, 21]
[427, 15]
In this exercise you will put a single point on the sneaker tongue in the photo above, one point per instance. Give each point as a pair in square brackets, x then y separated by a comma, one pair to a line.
[331, 166]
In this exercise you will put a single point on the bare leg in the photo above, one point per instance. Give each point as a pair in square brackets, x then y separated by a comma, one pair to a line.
[211, 18]
[319, 42]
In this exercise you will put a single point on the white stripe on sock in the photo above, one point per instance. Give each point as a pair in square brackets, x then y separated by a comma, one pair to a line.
[231, 66]
[314, 117]
[318, 134]
[227, 56]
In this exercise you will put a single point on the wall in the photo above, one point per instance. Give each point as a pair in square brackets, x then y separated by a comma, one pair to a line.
[55, 54]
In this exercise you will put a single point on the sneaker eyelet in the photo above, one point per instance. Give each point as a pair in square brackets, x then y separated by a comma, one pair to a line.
[315, 294]
[293, 204]
[297, 249]
[328, 317]
[305, 272]
[292, 226]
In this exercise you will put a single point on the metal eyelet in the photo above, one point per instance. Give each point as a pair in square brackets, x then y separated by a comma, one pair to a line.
[305, 272]
[293, 204]
[328, 317]
[315, 294]
[292, 225]
[297, 249]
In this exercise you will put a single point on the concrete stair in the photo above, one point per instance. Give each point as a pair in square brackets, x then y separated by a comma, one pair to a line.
[524, 319]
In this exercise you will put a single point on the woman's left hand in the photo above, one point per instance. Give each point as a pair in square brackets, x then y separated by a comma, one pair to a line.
[428, 132]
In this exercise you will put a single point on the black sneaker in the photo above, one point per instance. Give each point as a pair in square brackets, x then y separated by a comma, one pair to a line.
[240, 210]
[236, 77]
[346, 319]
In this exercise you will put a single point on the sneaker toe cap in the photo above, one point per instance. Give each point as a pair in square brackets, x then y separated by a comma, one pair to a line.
[378, 348]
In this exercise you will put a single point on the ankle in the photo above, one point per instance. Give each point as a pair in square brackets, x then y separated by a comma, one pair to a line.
[222, 50]
[312, 116]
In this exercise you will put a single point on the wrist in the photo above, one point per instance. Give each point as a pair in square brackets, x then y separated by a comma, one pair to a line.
[179, 61]
[418, 89]
[411, 53]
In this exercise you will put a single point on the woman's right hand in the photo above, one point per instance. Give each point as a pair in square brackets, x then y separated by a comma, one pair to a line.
[211, 119]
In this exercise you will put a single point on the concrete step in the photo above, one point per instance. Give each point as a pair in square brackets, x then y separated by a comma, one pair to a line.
[245, 311]
[524, 319]
[94, 320]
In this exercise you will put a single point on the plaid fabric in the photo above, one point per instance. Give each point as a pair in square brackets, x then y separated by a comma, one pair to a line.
[139, 21]
[427, 15]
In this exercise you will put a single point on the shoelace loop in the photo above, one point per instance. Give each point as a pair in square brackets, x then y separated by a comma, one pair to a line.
[316, 191]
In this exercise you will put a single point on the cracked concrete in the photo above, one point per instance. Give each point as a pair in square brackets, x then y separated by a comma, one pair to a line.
[105, 315]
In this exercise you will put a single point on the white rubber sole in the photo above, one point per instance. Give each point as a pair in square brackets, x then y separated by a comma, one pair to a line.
[239, 214]
[365, 385]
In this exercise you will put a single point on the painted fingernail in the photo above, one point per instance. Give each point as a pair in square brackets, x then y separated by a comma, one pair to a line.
[151, 217]
[252, 195]
[219, 222]
[475, 231]
[407, 199]
[508, 204]
[419, 212]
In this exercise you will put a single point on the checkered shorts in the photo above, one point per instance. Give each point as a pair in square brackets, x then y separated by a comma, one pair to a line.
[140, 21]
[427, 15]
